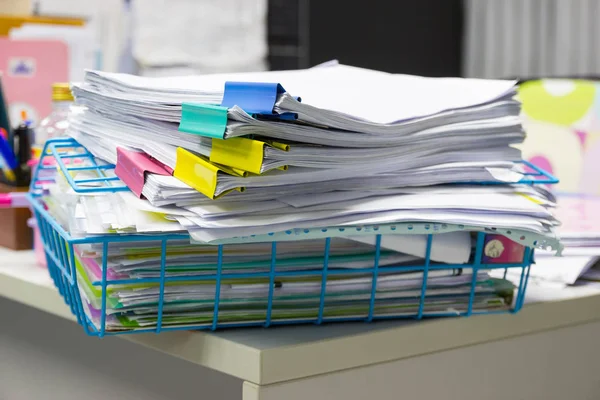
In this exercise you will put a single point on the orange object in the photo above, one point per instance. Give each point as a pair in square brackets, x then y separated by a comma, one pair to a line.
[7, 22]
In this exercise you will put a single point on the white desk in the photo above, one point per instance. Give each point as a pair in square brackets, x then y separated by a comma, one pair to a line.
[548, 350]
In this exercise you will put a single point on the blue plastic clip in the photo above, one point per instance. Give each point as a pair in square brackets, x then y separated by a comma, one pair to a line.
[252, 97]
[284, 116]
[255, 98]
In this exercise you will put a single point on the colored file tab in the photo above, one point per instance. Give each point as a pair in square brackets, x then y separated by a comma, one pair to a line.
[245, 154]
[252, 97]
[255, 98]
[202, 175]
[204, 120]
[132, 167]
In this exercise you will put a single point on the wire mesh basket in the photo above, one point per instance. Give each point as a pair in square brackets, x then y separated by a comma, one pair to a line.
[293, 277]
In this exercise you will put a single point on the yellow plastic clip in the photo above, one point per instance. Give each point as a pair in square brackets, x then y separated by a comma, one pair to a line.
[278, 145]
[201, 174]
[242, 153]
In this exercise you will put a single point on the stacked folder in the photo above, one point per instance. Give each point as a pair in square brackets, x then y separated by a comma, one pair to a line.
[229, 158]
[352, 123]
[348, 290]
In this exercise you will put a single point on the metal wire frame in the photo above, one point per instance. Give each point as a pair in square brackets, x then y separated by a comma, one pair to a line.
[60, 253]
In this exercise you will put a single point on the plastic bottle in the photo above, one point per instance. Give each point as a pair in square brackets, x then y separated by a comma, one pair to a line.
[55, 124]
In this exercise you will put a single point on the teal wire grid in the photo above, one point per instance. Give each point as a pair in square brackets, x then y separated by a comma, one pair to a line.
[60, 248]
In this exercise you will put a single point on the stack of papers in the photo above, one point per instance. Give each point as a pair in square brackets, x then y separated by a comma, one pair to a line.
[360, 149]
[519, 207]
[348, 289]
[351, 123]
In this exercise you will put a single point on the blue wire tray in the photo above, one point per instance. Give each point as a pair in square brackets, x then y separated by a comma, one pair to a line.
[69, 156]
[62, 254]
[61, 249]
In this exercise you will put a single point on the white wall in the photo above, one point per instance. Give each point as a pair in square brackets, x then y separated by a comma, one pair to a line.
[45, 357]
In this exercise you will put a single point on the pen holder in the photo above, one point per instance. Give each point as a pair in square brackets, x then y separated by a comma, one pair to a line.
[14, 232]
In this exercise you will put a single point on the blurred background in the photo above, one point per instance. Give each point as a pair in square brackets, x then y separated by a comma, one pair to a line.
[475, 38]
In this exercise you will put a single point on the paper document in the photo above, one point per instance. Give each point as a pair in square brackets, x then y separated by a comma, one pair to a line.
[451, 248]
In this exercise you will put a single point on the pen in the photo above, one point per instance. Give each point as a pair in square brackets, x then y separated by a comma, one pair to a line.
[22, 149]
[22, 134]
[8, 163]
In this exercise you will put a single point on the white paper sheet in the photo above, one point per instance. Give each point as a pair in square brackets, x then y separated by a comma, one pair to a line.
[450, 248]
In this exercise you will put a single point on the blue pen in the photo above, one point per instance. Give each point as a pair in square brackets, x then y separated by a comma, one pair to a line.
[8, 162]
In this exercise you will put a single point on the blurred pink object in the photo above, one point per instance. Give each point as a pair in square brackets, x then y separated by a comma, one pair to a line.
[5, 200]
[13, 200]
[43, 174]
[29, 68]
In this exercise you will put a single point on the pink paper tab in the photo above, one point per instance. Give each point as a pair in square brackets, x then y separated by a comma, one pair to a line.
[132, 167]
[5, 200]
[14, 200]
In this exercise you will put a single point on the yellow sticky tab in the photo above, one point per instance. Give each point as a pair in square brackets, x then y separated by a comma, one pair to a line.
[199, 173]
[241, 153]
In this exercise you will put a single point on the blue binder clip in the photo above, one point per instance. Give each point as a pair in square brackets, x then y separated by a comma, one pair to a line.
[255, 98]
